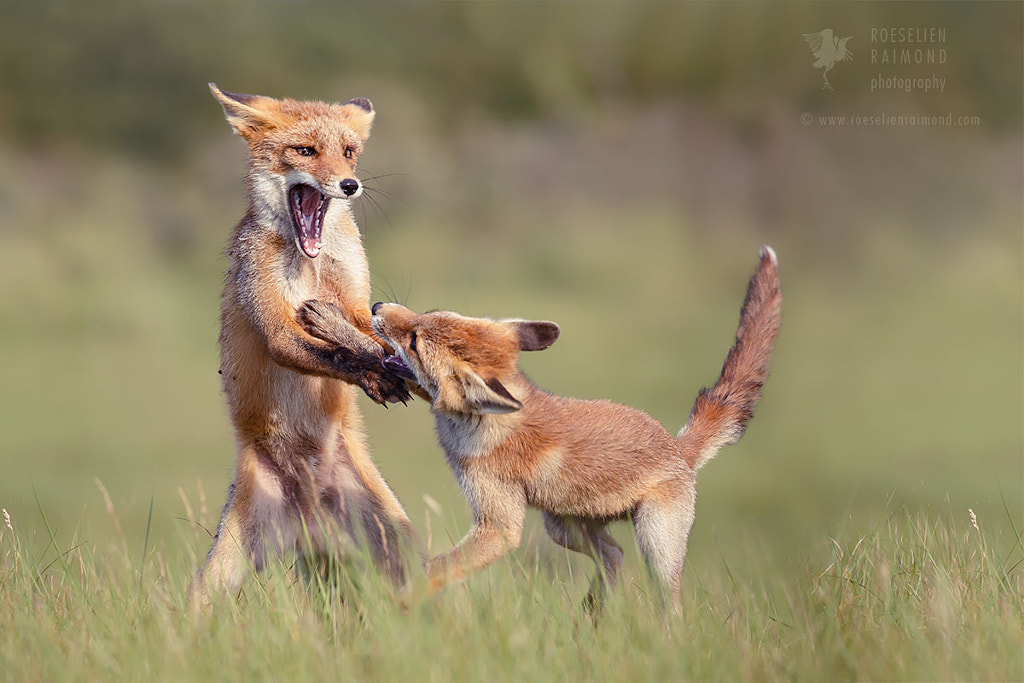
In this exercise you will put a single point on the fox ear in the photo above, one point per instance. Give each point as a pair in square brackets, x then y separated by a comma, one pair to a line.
[468, 393]
[246, 114]
[359, 112]
[535, 335]
[494, 397]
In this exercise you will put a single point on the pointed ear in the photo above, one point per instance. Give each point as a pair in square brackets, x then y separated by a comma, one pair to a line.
[359, 112]
[495, 398]
[535, 335]
[467, 393]
[246, 114]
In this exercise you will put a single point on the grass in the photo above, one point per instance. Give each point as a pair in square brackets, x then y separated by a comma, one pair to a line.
[919, 597]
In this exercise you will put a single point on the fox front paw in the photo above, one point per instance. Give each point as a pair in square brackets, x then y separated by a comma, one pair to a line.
[323, 320]
[383, 387]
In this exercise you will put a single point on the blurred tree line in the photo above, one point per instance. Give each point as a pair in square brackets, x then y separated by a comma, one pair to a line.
[130, 76]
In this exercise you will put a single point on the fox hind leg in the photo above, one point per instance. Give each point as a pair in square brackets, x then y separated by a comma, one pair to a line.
[232, 557]
[663, 521]
[593, 540]
[258, 520]
[385, 546]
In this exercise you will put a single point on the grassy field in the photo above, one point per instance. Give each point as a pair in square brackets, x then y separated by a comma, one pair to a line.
[928, 598]
[618, 180]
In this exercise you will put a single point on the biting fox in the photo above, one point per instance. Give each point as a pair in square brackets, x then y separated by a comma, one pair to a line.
[583, 463]
[302, 470]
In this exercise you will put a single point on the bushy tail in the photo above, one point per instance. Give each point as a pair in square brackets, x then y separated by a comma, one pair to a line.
[720, 415]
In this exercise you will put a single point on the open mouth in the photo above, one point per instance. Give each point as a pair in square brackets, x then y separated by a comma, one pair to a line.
[396, 366]
[308, 210]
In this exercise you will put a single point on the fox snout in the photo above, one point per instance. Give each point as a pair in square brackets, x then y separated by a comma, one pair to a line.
[384, 321]
[351, 188]
[396, 364]
[348, 187]
[392, 322]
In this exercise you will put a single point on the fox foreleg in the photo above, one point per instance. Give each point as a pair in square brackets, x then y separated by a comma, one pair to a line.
[324, 320]
[355, 354]
[482, 545]
[498, 514]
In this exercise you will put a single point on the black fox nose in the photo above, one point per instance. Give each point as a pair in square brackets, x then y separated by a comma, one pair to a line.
[349, 186]
[376, 307]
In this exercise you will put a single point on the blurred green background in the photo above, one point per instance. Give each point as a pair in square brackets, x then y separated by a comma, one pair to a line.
[610, 166]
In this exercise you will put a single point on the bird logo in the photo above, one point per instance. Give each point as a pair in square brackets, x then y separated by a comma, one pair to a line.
[827, 51]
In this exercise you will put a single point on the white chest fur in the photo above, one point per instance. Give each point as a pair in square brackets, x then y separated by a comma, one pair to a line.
[342, 260]
[471, 436]
[344, 245]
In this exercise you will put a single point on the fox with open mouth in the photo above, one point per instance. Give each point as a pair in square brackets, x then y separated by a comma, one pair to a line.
[302, 467]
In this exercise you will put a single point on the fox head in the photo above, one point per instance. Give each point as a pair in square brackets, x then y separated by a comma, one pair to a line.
[302, 155]
[459, 361]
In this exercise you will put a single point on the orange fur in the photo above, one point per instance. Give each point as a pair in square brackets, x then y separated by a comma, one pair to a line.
[582, 463]
[302, 472]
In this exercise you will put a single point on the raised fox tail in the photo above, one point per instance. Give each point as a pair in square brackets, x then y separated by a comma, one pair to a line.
[720, 415]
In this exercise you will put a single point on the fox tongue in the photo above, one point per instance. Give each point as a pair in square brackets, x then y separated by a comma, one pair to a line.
[308, 211]
[311, 245]
[398, 367]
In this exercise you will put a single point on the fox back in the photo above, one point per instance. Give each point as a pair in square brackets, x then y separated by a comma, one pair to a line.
[572, 456]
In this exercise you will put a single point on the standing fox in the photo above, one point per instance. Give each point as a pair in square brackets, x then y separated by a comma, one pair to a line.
[582, 463]
[302, 469]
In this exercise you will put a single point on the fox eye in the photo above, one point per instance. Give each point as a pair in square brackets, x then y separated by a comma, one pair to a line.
[350, 153]
[305, 151]
[412, 341]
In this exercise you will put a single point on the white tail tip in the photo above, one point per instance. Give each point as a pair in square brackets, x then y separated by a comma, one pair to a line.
[766, 250]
